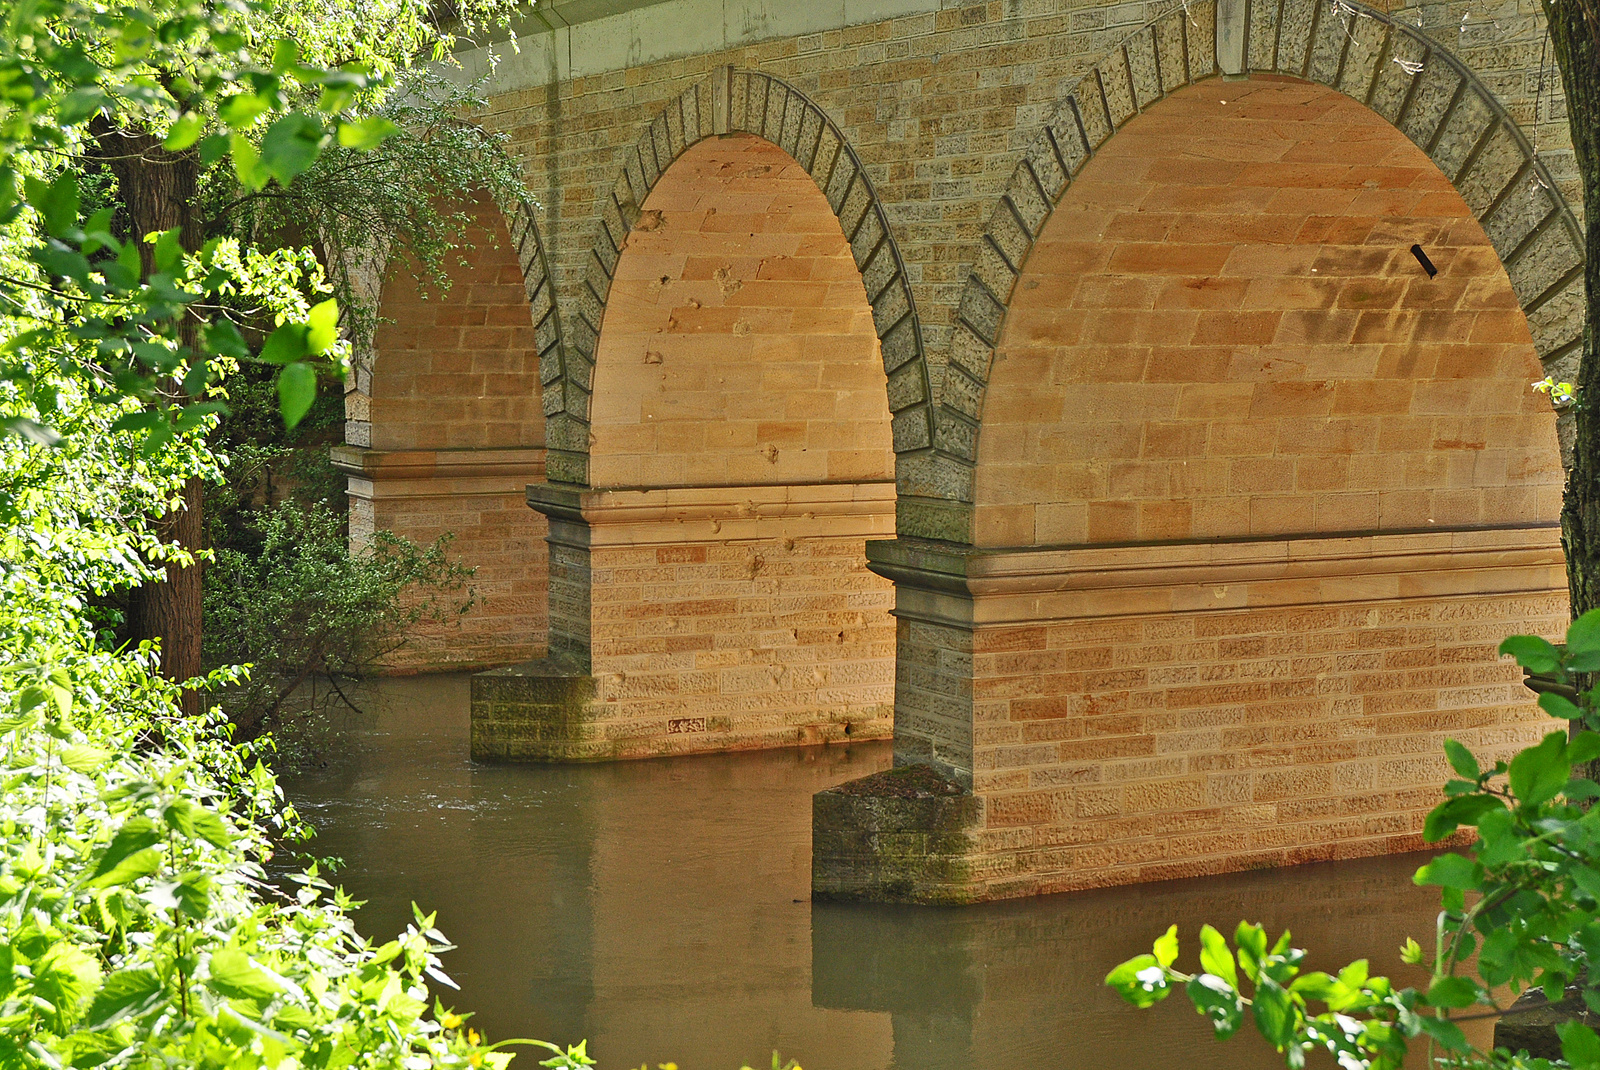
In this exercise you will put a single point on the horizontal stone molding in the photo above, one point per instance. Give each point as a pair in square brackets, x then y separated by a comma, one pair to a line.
[437, 473]
[940, 585]
[676, 515]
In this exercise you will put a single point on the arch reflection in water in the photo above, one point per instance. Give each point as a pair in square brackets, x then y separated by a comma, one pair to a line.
[660, 909]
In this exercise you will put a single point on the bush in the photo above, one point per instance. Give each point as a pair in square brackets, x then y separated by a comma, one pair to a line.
[303, 605]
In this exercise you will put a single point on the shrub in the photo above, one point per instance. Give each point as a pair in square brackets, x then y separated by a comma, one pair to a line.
[303, 604]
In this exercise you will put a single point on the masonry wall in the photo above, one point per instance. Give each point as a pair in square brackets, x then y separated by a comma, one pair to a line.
[719, 645]
[738, 346]
[1141, 748]
[940, 104]
[1223, 332]
[740, 457]
[456, 433]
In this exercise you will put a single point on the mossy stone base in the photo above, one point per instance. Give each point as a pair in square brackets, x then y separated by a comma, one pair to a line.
[539, 711]
[1530, 1024]
[907, 835]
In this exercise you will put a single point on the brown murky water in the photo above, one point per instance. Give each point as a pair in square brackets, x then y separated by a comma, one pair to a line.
[661, 910]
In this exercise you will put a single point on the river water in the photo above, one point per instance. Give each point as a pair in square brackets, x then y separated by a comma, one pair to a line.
[661, 909]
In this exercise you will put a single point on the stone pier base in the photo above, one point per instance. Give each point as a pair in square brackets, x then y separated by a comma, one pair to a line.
[538, 711]
[906, 835]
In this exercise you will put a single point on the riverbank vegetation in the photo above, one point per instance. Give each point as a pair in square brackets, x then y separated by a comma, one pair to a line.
[137, 924]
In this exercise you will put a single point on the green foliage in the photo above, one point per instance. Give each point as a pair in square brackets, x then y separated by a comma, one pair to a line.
[107, 310]
[1521, 909]
[301, 605]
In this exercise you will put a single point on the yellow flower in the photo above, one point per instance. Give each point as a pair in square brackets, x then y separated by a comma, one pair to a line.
[452, 1020]
[472, 1036]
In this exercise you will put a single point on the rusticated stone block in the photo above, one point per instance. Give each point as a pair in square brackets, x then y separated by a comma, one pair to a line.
[539, 711]
[906, 835]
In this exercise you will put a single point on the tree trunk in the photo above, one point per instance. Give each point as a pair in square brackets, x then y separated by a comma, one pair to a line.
[158, 191]
[1575, 37]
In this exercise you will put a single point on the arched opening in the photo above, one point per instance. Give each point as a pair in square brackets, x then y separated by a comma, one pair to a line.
[740, 456]
[454, 432]
[1227, 335]
[1256, 496]
[738, 346]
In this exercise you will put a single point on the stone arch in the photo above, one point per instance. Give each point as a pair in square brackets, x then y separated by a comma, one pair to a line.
[444, 429]
[737, 101]
[1393, 69]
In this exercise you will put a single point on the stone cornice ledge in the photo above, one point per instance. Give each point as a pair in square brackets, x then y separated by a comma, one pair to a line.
[949, 584]
[706, 514]
[512, 466]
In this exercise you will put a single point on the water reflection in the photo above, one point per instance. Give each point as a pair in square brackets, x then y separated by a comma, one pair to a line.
[660, 909]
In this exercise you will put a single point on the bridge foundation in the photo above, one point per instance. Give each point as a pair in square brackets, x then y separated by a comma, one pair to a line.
[697, 619]
[1110, 715]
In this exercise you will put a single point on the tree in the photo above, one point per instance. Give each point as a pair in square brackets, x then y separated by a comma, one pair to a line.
[283, 183]
[1575, 38]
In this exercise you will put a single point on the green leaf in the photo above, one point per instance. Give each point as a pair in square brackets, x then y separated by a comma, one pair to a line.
[196, 822]
[322, 327]
[185, 131]
[1450, 871]
[291, 145]
[243, 109]
[297, 389]
[1444, 1032]
[1141, 981]
[196, 378]
[1453, 992]
[134, 836]
[365, 134]
[1251, 940]
[222, 338]
[1274, 1014]
[1538, 773]
[82, 758]
[1531, 652]
[286, 344]
[1215, 957]
[1557, 706]
[1580, 1047]
[285, 56]
[169, 251]
[233, 976]
[57, 203]
[1583, 634]
[1218, 1001]
[34, 432]
[81, 104]
[1461, 760]
[247, 162]
[129, 869]
[1356, 973]
[214, 148]
[1314, 985]
[127, 993]
[1583, 747]
[1166, 946]
[1453, 813]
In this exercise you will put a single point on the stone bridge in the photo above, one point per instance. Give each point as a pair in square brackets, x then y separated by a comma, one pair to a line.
[1125, 407]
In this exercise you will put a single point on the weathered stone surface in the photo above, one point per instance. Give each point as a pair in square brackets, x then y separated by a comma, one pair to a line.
[1530, 1024]
[906, 835]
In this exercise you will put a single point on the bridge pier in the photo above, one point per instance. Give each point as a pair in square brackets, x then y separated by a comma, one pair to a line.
[1092, 716]
[698, 619]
